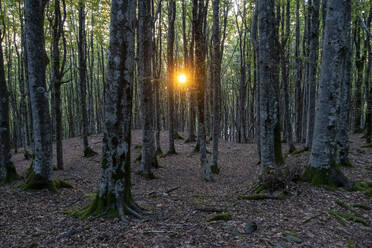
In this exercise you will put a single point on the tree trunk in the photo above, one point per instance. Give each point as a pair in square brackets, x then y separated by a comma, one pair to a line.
[88, 152]
[7, 170]
[148, 157]
[322, 165]
[41, 174]
[171, 76]
[298, 61]
[271, 154]
[368, 83]
[114, 196]
[359, 64]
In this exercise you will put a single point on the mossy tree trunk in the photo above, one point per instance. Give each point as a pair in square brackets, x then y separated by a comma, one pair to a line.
[368, 83]
[322, 166]
[114, 197]
[41, 173]
[271, 154]
[7, 170]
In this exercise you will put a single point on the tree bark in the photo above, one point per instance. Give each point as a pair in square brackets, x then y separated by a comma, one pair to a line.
[322, 165]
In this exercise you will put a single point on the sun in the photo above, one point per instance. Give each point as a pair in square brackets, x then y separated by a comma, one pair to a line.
[182, 78]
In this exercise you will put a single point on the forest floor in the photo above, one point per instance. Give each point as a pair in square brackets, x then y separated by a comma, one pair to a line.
[179, 218]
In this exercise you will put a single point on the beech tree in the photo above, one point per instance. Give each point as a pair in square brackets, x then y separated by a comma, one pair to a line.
[114, 196]
[271, 153]
[322, 167]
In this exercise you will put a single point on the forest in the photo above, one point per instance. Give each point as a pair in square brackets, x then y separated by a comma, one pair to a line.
[185, 123]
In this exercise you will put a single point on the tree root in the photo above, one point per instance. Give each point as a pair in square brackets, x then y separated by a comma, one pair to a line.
[215, 169]
[89, 152]
[108, 207]
[330, 178]
[223, 216]
[177, 136]
[148, 176]
[34, 181]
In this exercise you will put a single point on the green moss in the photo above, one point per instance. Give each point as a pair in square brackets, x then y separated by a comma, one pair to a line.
[363, 186]
[281, 197]
[291, 233]
[34, 181]
[362, 206]
[223, 216]
[328, 178]
[369, 145]
[33, 245]
[71, 210]
[253, 197]
[11, 174]
[138, 147]
[361, 151]
[350, 243]
[346, 163]
[338, 217]
[91, 195]
[347, 207]
[100, 206]
[215, 169]
[89, 152]
[349, 217]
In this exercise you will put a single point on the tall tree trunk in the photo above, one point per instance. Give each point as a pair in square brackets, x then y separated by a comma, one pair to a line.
[298, 62]
[312, 69]
[171, 76]
[200, 78]
[322, 165]
[271, 153]
[41, 174]
[148, 157]
[359, 64]
[7, 170]
[88, 152]
[216, 80]
[368, 82]
[114, 196]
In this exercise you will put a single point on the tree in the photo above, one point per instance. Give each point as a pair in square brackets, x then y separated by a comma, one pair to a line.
[88, 152]
[114, 196]
[171, 76]
[40, 174]
[216, 79]
[298, 62]
[7, 170]
[322, 168]
[271, 153]
[148, 157]
[57, 75]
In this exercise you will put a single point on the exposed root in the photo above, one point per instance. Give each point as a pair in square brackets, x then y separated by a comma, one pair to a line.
[148, 176]
[215, 169]
[89, 152]
[295, 152]
[330, 178]
[34, 181]
[177, 136]
[107, 206]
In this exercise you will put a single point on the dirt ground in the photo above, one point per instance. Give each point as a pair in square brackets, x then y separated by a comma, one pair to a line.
[179, 218]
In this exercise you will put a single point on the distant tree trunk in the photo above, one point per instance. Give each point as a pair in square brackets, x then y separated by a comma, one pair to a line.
[271, 153]
[368, 83]
[148, 157]
[41, 174]
[298, 75]
[322, 167]
[359, 64]
[200, 78]
[114, 196]
[7, 170]
[312, 69]
[88, 152]
[216, 80]
[171, 76]
[57, 75]
[285, 78]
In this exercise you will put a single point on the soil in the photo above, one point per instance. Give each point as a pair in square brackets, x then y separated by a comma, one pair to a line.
[179, 218]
